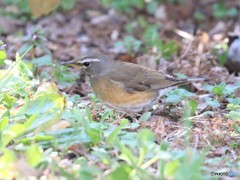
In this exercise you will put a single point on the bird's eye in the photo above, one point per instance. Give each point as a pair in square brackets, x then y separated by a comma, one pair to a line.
[86, 64]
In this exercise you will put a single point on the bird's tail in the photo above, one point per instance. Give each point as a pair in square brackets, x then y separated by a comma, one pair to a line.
[184, 80]
[195, 79]
[179, 82]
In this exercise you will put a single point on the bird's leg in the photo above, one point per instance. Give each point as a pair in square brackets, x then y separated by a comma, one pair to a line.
[130, 116]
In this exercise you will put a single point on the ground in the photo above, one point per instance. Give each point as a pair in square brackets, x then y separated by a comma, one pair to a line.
[53, 114]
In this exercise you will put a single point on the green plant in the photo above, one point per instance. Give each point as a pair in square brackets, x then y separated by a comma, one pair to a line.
[221, 90]
[24, 109]
[102, 147]
[127, 6]
[177, 95]
[67, 5]
[199, 16]
[3, 54]
[130, 43]
[152, 39]
[35, 38]
[21, 4]
[220, 51]
[221, 11]
[225, 91]
[234, 111]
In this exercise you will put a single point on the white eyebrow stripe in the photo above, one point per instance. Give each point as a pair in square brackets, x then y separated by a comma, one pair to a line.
[90, 60]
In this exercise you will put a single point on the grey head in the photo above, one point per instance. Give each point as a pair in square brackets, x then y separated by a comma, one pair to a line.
[93, 64]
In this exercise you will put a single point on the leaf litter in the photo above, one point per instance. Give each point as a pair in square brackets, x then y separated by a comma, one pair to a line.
[89, 26]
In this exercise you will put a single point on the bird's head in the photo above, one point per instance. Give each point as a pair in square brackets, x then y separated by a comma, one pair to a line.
[91, 64]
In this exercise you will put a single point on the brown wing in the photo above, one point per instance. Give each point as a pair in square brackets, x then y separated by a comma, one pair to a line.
[141, 79]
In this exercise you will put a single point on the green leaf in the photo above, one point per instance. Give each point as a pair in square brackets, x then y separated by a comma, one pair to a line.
[213, 103]
[232, 12]
[221, 11]
[3, 123]
[234, 115]
[199, 16]
[86, 172]
[152, 7]
[174, 98]
[177, 95]
[89, 115]
[113, 135]
[34, 155]
[7, 157]
[64, 76]
[43, 61]
[124, 122]
[45, 107]
[164, 145]
[7, 162]
[37, 138]
[132, 44]
[67, 5]
[24, 49]
[181, 76]
[169, 49]
[221, 51]
[237, 128]
[146, 136]
[171, 168]
[106, 114]
[234, 101]
[193, 159]
[193, 105]
[3, 56]
[145, 116]
[189, 110]
[23, 69]
[121, 172]
[208, 87]
[219, 89]
[127, 155]
[8, 101]
[150, 35]
[94, 134]
[11, 133]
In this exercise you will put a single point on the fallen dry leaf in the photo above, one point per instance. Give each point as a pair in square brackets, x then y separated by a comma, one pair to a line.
[39, 8]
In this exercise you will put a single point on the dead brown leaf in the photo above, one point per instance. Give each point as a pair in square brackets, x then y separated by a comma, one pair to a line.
[39, 8]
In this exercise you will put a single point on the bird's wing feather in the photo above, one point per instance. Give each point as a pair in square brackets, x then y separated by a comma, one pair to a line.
[142, 79]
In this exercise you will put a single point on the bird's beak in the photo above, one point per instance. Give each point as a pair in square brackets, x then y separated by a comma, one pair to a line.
[72, 63]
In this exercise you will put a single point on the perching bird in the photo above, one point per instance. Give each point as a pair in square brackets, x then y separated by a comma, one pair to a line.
[125, 86]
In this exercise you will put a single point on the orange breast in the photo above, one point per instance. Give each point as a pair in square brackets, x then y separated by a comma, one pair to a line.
[113, 94]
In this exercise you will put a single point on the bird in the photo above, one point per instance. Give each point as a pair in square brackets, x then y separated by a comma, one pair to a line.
[125, 86]
[233, 54]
